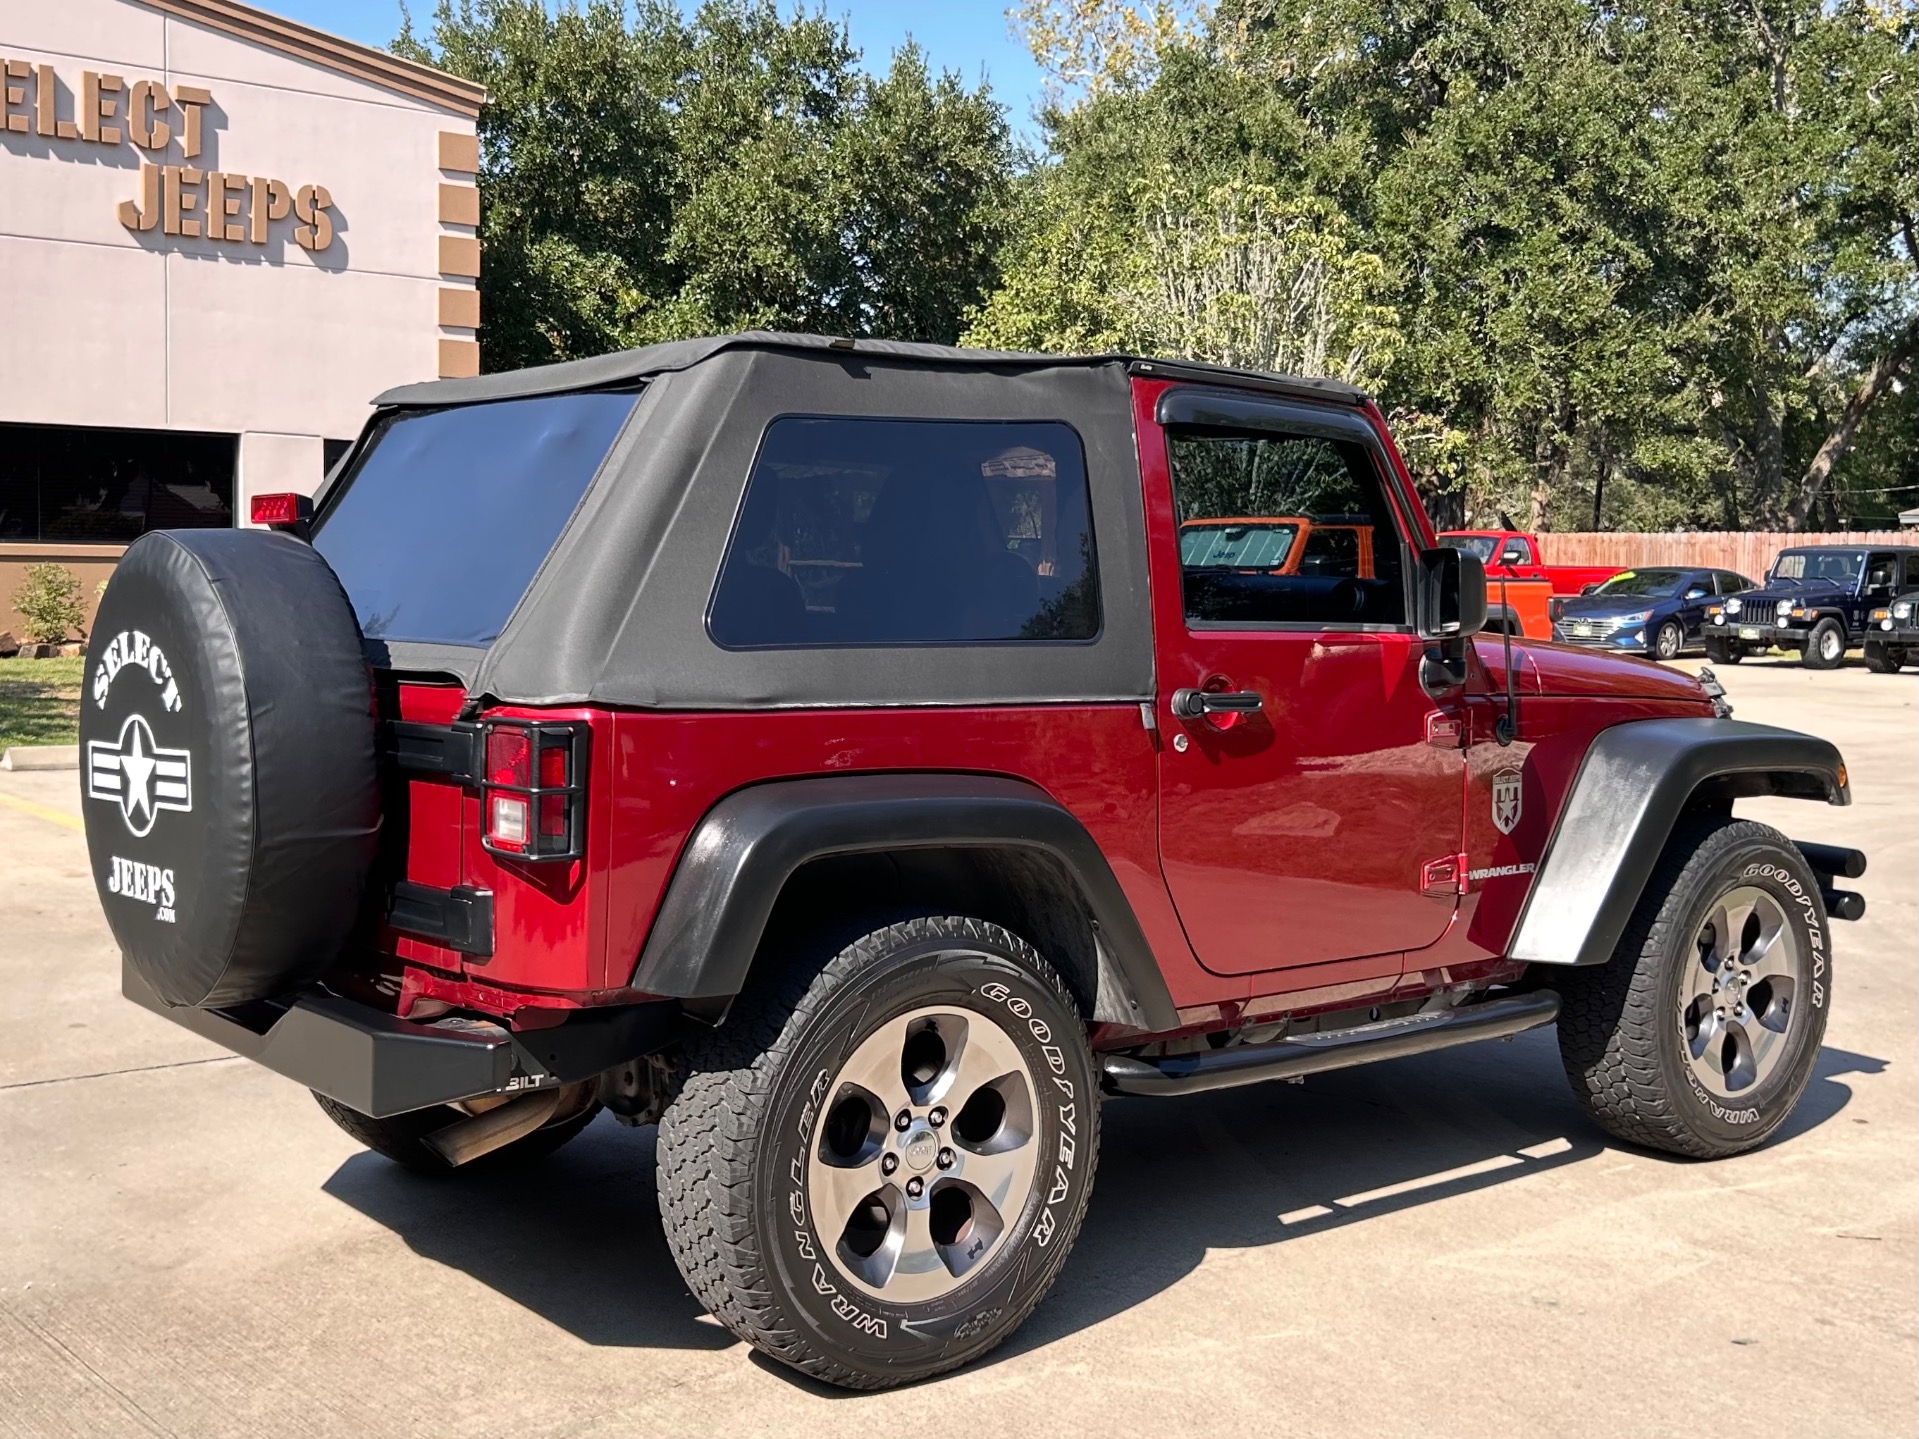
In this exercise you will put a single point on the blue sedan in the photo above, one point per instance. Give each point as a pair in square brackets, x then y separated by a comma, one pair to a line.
[1655, 611]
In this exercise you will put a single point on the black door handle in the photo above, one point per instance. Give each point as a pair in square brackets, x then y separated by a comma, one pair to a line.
[1192, 704]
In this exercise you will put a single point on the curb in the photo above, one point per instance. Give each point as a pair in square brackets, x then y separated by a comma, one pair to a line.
[41, 757]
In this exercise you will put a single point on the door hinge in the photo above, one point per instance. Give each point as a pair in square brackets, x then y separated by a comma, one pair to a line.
[1443, 877]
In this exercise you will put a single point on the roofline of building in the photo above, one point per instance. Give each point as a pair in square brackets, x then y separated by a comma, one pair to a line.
[303, 42]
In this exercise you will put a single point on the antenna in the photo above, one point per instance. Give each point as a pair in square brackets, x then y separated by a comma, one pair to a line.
[1506, 728]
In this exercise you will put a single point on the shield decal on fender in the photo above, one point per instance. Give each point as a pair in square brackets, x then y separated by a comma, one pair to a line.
[1508, 795]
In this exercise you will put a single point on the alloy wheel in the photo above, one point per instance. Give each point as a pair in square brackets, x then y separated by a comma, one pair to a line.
[924, 1154]
[1740, 992]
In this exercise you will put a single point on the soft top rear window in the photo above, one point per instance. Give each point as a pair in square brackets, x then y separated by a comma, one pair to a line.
[439, 526]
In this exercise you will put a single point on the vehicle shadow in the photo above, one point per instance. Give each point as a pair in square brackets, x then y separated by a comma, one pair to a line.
[577, 1239]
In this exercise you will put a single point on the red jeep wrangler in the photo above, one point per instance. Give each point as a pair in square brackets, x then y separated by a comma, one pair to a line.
[822, 750]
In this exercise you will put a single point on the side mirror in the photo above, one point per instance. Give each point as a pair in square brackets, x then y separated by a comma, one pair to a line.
[1589, 589]
[1451, 600]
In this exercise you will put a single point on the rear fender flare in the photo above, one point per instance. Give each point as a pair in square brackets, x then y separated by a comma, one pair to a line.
[749, 845]
[1637, 779]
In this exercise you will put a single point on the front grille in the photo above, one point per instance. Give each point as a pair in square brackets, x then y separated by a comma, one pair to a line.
[1589, 629]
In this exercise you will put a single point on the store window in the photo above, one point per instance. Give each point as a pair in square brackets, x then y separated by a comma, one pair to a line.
[67, 485]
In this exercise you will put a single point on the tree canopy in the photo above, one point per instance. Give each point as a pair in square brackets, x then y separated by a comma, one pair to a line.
[1624, 265]
[646, 175]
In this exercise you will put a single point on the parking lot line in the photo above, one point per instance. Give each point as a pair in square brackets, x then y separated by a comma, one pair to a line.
[41, 811]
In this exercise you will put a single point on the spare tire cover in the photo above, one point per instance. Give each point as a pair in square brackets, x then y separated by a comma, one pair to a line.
[227, 763]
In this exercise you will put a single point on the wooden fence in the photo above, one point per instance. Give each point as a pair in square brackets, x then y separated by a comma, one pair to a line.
[1749, 553]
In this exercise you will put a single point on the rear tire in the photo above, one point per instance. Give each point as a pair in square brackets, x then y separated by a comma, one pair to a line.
[402, 1137]
[1694, 1043]
[815, 1224]
[1825, 646]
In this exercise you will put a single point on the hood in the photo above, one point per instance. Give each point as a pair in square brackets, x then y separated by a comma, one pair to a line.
[1775, 590]
[1592, 607]
[1549, 669]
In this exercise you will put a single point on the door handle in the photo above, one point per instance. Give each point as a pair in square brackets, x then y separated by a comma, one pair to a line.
[1192, 704]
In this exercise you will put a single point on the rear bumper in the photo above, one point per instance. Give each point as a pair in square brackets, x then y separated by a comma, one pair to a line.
[380, 1065]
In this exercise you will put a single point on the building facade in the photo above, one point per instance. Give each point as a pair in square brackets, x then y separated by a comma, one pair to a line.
[221, 233]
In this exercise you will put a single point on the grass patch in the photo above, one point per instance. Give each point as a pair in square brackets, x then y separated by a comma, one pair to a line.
[40, 701]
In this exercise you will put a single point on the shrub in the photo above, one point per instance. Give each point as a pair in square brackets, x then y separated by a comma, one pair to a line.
[49, 601]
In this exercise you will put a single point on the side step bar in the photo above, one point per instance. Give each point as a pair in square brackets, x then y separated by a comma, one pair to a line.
[1317, 1053]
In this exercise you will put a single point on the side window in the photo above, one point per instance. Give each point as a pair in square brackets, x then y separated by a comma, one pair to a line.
[1880, 570]
[1912, 573]
[1283, 529]
[906, 532]
[1515, 553]
[1698, 587]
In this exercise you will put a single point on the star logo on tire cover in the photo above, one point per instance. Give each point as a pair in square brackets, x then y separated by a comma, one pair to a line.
[138, 775]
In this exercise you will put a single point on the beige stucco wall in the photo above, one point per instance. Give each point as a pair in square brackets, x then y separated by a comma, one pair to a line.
[102, 325]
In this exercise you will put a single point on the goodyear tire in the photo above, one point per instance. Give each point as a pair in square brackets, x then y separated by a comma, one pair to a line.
[1700, 1034]
[879, 1162]
[227, 764]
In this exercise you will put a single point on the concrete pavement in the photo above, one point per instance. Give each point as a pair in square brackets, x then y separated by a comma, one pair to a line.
[1435, 1246]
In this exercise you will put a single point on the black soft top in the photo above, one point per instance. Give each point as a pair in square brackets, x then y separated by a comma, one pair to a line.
[627, 366]
[617, 613]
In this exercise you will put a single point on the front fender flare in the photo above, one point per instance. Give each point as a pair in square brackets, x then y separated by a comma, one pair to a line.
[749, 844]
[1636, 780]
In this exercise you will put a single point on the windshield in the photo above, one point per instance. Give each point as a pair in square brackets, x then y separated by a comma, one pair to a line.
[439, 527]
[1255, 545]
[1644, 584]
[1834, 566]
[1480, 546]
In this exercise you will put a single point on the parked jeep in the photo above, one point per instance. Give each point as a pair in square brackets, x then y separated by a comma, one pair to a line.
[1892, 634]
[1818, 600]
[821, 750]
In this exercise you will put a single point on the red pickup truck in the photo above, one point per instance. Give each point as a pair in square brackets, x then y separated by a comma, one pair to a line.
[1514, 555]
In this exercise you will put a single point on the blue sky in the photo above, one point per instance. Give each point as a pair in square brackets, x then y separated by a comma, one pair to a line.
[969, 36]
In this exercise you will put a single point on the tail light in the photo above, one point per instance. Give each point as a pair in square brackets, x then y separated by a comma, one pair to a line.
[533, 789]
[288, 513]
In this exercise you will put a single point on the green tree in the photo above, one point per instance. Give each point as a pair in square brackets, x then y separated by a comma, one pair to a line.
[646, 176]
[1645, 264]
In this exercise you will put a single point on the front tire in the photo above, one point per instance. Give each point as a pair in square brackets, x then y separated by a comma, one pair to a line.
[879, 1162]
[1668, 642]
[1699, 1035]
[1724, 652]
[1883, 659]
[1825, 646]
